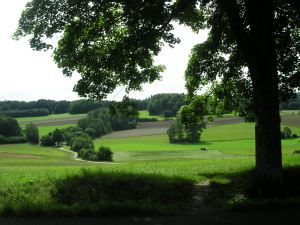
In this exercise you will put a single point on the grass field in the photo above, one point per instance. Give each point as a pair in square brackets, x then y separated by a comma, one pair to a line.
[30, 174]
[145, 114]
[50, 117]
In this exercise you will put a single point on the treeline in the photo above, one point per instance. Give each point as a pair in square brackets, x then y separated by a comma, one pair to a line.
[166, 105]
[292, 104]
[45, 107]
[26, 112]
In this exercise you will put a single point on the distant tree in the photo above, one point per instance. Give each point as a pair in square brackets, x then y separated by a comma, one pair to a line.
[287, 132]
[104, 154]
[61, 107]
[32, 133]
[82, 142]
[9, 126]
[58, 137]
[47, 140]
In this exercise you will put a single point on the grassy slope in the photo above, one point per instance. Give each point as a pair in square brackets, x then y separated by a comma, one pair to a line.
[145, 114]
[230, 151]
[43, 130]
[50, 117]
[235, 140]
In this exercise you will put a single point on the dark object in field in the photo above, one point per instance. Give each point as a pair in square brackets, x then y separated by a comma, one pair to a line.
[203, 149]
[296, 152]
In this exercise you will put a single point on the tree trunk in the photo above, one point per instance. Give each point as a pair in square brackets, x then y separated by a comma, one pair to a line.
[255, 40]
[263, 71]
[267, 129]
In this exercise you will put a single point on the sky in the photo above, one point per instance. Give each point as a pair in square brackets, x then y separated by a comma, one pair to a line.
[30, 75]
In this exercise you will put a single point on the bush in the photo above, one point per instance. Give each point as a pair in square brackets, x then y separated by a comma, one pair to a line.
[294, 136]
[82, 142]
[296, 152]
[12, 140]
[47, 140]
[288, 132]
[9, 126]
[105, 154]
[90, 132]
[88, 154]
[283, 136]
[32, 133]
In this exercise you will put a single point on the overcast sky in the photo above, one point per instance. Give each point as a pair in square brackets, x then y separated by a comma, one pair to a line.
[29, 75]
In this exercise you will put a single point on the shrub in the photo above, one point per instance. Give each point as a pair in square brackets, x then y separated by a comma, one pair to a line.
[296, 152]
[105, 154]
[203, 149]
[9, 126]
[47, 140]
[82, 142]
[88, 154]
[32, 133]
[294, 136]
[90, 132]
[283, 136]
[12, 140]
[288, 132]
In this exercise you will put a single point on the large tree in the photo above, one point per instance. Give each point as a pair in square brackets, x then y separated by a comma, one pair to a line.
[252, 51]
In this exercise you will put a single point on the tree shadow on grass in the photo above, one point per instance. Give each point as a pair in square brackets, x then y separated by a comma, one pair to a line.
[244, 190]
[122, 193]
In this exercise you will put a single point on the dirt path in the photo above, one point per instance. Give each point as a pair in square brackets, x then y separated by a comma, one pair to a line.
[270, 217]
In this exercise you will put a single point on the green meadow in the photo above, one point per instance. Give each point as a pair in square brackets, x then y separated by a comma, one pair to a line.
[31, 174]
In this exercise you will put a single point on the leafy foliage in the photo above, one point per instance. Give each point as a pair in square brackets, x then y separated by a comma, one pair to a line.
[32, 133]
[165, 104]
[104, 154]
[82, 142]
[9, 126]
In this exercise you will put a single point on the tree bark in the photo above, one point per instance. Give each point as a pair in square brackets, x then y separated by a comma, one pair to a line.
[257, 45]
[263, 71]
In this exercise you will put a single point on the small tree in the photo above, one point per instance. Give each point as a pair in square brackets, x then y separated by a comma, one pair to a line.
[82, 142]
[288, 132]
[58, 137]
[32, 133]
[47, 140]
[105, 154]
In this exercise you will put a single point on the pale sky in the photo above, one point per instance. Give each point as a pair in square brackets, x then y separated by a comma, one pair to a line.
[29, 75]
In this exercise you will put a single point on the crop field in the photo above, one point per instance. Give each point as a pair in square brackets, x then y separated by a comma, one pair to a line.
[29, 174]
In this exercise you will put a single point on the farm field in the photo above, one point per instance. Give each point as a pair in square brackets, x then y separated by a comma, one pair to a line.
[51, 120]
[31, 173]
